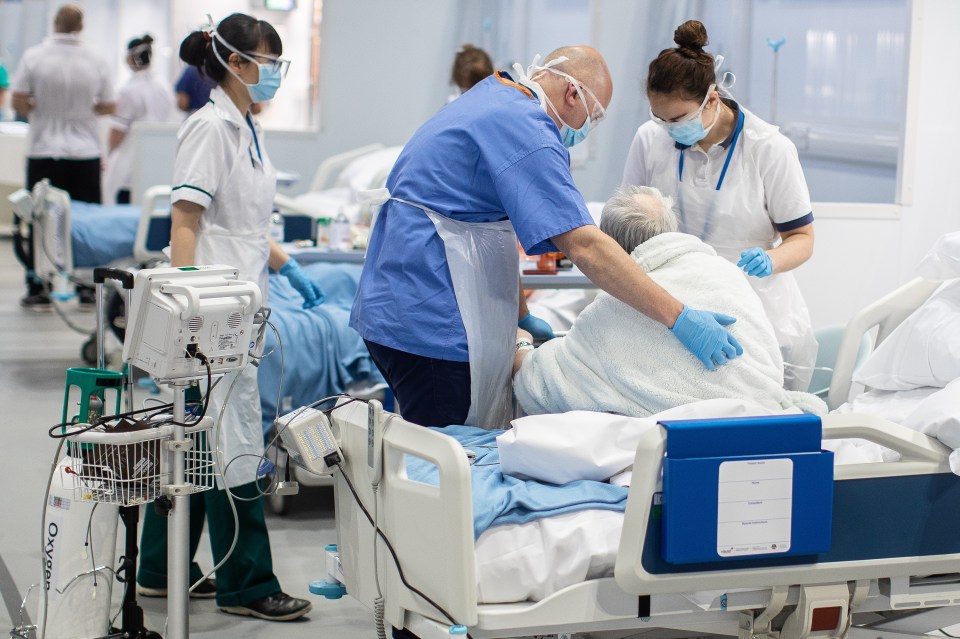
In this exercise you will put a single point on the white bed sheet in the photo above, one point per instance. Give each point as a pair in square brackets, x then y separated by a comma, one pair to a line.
[528, 562]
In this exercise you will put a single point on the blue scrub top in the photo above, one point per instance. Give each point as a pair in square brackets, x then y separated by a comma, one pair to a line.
[491, 154]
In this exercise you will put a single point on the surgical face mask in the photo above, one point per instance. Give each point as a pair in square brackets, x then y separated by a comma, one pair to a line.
[569, 136]
[270, 73]
[689, 130]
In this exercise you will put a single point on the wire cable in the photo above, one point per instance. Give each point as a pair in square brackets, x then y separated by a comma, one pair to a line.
[393, 553]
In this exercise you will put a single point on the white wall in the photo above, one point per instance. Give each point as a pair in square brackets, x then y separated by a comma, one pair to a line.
[858, 260]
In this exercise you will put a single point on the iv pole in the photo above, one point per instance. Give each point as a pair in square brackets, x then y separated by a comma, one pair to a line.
[775, 45]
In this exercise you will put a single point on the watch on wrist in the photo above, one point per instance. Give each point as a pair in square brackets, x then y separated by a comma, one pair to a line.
[524, 345]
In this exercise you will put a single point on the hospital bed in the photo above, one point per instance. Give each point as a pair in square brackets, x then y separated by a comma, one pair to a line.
[322, 354]
[339, 178]
[891, 569]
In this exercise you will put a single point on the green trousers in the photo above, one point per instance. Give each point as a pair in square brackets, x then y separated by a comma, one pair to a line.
[246, 576]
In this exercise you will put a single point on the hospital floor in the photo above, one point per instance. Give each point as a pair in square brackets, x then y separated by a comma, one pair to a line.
[35, 351]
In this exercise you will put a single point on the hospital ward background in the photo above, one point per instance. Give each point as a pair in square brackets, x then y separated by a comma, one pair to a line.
[866, 91]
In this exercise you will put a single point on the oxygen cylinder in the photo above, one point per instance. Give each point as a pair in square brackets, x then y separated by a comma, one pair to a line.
[78, 537]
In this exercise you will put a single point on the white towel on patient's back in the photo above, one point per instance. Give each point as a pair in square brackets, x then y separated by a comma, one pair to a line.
[617, 360]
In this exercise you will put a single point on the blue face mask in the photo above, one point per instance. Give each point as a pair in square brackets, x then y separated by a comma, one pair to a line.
[572, 137]
[568, 135]
[268, 84]
[690, 130]
[270, 74]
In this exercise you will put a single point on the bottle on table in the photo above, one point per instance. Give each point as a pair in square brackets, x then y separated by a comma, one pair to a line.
[276, 227]
[340, 233]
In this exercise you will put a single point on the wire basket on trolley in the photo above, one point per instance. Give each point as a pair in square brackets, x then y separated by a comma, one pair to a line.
[111, 467]
[200, 466]
[128, 466]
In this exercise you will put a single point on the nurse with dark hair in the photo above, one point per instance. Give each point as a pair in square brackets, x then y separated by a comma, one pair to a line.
[222, 198]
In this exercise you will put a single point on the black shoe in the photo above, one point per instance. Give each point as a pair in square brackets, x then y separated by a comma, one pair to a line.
[206, 590]
[277, 607]
[38, 303]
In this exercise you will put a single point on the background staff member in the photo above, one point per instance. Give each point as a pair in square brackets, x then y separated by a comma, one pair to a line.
[438, 298]
[143, 98]
[737, 182]
[61, 86]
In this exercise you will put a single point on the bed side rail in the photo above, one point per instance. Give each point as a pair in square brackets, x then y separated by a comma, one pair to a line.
[887, 313]
[430, 526]
[922, 459]
[153, 231]
[330, 168]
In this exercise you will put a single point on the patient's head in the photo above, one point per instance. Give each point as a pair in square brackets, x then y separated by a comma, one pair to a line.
[635, 214]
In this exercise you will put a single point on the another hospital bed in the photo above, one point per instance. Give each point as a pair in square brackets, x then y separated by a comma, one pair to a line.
[891, 570]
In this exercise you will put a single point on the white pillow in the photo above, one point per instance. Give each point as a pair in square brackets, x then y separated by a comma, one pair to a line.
[939, 415]
[923, 351]
[943, 260]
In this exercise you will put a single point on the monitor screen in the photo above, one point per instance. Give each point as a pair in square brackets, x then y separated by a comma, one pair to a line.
[280, 5]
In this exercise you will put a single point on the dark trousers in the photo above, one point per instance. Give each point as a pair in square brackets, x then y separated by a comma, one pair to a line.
[430, 392]
[79, 178]
[247, 575]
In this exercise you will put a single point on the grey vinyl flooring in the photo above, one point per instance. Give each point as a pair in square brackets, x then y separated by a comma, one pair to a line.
[35, 351]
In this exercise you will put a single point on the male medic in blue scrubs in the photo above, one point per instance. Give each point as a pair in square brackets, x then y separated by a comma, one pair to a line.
[439, 299]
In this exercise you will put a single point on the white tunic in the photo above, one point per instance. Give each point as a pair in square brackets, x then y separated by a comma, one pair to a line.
[144, 98]
[65, 79]
[221, 166]
[763, 192]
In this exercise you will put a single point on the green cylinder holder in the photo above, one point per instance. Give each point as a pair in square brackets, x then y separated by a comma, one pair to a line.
[92, 384]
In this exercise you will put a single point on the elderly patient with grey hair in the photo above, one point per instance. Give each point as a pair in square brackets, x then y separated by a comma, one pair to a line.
[616, 360]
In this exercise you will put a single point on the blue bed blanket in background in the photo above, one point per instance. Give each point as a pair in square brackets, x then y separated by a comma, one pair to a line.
[322, 355]
[102, 234]
[500, 499]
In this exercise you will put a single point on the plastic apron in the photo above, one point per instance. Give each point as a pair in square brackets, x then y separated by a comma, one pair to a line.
[485, 269]
[713, 213]
[238, 238]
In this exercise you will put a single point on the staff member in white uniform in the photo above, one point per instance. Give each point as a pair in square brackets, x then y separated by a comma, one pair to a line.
[737, 182]
[144, 98]
[222, 198]
[61, 86]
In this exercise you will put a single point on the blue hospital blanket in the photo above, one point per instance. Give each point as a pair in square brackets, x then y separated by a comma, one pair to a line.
[102, 234]
[322, 354]
[501, 499]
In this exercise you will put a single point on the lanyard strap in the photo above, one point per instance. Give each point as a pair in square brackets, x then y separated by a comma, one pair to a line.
[510, 83]
[255, 140]
[726, 164]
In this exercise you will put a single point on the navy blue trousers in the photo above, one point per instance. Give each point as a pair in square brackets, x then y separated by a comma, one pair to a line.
[430, 392]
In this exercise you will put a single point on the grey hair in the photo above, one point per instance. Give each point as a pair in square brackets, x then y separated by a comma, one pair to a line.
[637, 213]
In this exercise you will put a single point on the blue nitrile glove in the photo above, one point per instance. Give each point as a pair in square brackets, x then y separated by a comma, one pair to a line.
[312, 295]
[704, 335]
[540, 330]
[755, 261]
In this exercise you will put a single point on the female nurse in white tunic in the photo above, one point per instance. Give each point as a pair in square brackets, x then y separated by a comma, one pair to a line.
[222, 199]
[737, 182]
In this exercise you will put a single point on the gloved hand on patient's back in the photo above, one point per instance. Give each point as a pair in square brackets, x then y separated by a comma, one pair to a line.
[756, 262]
[704, 335]
[312, 295]
[540, 330]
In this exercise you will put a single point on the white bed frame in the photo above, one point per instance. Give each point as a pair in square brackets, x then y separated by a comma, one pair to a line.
[885, 315]
[431, 529]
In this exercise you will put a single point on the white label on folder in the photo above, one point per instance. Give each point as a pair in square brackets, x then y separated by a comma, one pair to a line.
[754, 506]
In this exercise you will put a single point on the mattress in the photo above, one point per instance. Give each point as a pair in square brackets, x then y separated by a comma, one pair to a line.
[530, 561]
